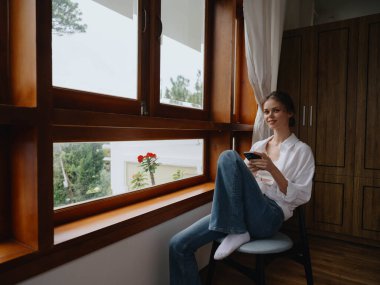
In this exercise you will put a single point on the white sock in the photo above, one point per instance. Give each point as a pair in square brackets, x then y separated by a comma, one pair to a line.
[230, 243]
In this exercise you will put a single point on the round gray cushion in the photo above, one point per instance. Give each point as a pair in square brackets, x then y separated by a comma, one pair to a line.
[275, 244]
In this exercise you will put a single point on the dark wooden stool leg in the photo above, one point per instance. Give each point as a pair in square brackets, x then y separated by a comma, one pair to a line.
[211, 264]
[260, 270]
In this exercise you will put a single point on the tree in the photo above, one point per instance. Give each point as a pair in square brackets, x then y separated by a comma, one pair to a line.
[139, 180]
[83, 166]
[197, 97]
[66, 18]
[179, 91]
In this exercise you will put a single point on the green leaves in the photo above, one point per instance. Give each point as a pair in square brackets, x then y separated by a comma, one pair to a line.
[66, 18]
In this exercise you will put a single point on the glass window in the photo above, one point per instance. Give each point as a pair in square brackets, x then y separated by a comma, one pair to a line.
[94, 46]
[88, 170]
[182, 53]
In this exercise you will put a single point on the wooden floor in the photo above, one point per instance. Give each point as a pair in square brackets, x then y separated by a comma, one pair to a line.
[334, 262]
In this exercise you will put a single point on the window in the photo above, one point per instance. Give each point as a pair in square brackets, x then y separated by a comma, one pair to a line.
[181, 62]
[182, 53]
[93, 58]
[92, 55]
[44, 117]
[88, 170]
[108, 67]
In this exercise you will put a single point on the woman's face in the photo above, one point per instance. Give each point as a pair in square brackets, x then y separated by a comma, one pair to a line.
[276, 115]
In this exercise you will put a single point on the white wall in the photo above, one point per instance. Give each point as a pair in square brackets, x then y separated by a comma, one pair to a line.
[141, 259]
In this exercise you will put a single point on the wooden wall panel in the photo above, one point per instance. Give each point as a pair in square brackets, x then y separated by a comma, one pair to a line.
[24, 186]
[332, 203]
[223, 61]
[4, 184]
[367, 113]
[4, 53]
[243, 142]
[366, 208]
[372, 129]
[333, 104]
[23, 53]
[219, 142]
[328, 203]
[290, 76]
[371, 210]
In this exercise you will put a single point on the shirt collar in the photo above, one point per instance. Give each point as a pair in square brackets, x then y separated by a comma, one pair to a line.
[289, 142]
[286, 144]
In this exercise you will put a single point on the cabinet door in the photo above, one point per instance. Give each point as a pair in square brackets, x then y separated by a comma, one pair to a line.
[292, 76]
[332, 105]
[366, 208]
[368, 104]
[332, 203]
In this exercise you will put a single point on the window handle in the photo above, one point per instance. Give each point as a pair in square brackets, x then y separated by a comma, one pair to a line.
[311, 116]
[145, 19]
[159, 28]
[303, 115]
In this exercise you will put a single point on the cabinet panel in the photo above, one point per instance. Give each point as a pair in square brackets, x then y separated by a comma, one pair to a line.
[366, 208]
[368, 115]
[332, 203]
[292, 76]
[333, 102]
[372, 138]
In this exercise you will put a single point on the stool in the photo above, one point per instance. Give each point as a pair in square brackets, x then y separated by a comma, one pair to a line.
[279, 244]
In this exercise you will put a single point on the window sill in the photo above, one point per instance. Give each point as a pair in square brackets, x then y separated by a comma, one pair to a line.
[12, 249]
[134, 217]
[76, 239]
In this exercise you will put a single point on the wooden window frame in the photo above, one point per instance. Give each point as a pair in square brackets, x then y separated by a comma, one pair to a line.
[37, 115]
[83, 134]
[164, 110]
[4, 51]
[67, 98]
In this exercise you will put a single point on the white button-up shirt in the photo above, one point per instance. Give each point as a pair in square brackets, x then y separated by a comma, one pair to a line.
[296, 163]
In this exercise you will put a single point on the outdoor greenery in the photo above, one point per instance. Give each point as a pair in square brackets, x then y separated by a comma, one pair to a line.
[80, 173]
[178, 174]
[179, 91]
[66, 18]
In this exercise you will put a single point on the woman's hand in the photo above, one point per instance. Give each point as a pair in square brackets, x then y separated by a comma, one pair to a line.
[265, 163]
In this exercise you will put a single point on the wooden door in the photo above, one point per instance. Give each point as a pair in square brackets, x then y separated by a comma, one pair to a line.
[366, 218]
[332, 106]
[332, 203]
[368, 103]
[293, 77]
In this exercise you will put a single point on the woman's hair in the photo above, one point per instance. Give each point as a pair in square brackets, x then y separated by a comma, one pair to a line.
[286, 101]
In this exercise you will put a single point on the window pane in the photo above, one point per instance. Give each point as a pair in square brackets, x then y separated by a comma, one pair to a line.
[95, 46]
[182, 52]
[88, 170]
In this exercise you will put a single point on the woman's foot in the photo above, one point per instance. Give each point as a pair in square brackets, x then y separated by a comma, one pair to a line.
[230, 243]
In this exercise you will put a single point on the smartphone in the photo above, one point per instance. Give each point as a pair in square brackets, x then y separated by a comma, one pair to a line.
[251, 155]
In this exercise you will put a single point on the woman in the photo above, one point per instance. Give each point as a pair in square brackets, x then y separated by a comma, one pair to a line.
[252, 198]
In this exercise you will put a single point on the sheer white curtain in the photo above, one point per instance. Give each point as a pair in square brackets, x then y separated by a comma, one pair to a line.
[264, 23]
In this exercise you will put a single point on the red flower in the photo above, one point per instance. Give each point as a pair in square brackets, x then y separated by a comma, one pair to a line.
[150, 154]
[140, 158]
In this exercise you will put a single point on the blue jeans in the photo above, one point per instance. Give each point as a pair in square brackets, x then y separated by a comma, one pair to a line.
[238, 206]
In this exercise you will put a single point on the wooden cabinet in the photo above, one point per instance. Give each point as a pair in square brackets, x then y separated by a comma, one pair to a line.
[367, 160]
[332, 97]
[367, 148]
[366, 209]
[333, 73]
